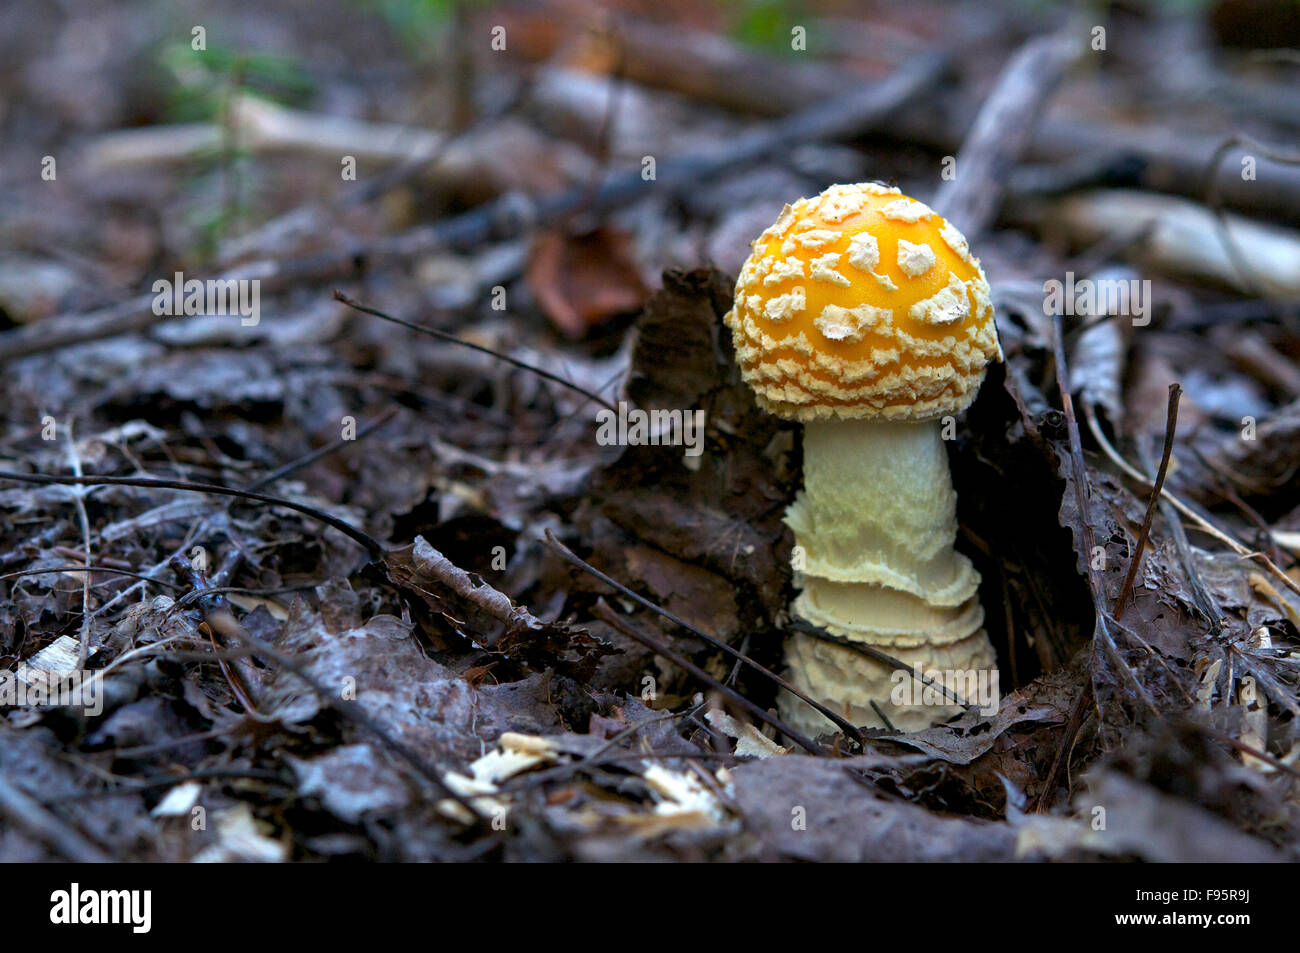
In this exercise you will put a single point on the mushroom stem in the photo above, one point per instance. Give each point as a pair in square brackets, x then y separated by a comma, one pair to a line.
[874, 531]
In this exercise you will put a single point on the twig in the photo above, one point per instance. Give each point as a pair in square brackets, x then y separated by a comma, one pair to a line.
[1082, 490]
[307, 459]
[209, 603]
[606, 614]
[265, 480]
[882, 716]
[1201, 595]
[85, 568]
[373, 545]
[1082, 485]
[574, 559]
[195, 595]
[78, 497]
[1200, 521]
[1063, 750]
[1008, 613]
[884, 658]
[452, 339]
[40, 823]
[24, 552]
[225, 622]
[1171, 424]
[1155, 656]
[1251, 750]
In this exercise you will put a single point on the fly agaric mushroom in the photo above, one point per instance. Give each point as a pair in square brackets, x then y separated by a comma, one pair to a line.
[862, 314]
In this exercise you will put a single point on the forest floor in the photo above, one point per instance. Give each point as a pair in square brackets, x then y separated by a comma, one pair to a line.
[349, 588]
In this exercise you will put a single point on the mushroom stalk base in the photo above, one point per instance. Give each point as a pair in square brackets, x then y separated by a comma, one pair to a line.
[874, 531]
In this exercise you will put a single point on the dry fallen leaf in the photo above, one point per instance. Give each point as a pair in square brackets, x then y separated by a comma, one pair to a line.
[583, 280]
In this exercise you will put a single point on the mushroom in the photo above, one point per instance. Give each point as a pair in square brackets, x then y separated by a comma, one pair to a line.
[862, 314]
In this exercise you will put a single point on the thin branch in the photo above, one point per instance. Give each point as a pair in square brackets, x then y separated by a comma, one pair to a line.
[225, 622]
[875, 654]
[365, 430]
[574, 559]
[1083, 491]
[880, 713]
[1197, 519]
[79, 498]
[373, 545]
[1003, 129]
[1066, 747]
[1171, 424]
[1082, 485]
[452, 339]
[1210, 188]
[242, 678]
[86, 568]
[40, 823]
[606, 614]
[1253, 752]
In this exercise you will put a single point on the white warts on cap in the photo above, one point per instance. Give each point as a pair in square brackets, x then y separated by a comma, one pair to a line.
[840, 205]
[784, 270]
[906, 210]
[949, 306]
[956, 241]
[915, 260]
[850, 324]
[864, 252]
[824, 269]
[784, 307]
[817, 238]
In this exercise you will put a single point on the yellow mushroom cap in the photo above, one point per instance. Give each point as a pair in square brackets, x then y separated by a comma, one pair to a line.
[862, 302]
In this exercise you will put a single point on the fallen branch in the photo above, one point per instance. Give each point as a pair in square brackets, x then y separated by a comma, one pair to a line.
[864, 107]
[703, 67]
[1181, 238]
[1003, 129]
[263, 126]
